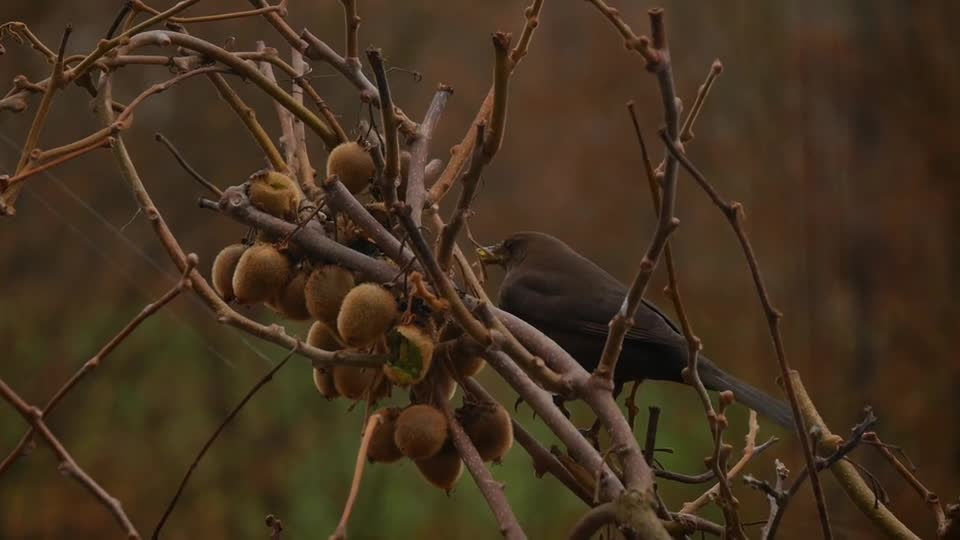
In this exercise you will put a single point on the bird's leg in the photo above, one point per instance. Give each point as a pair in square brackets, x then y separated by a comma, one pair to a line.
[632, 409]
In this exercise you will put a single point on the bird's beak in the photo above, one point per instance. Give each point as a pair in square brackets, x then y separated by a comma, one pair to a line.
[492, 254]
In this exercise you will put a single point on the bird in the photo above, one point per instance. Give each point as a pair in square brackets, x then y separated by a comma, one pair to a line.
[571, 300]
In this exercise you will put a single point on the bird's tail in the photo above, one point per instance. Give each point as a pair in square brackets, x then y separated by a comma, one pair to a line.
[716, 379]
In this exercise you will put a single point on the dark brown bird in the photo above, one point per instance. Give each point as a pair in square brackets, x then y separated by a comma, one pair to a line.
[570, 299]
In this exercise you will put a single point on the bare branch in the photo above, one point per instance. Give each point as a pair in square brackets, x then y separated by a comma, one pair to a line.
[420, 150]
[67, 465]
[391, 174]
[733, 213]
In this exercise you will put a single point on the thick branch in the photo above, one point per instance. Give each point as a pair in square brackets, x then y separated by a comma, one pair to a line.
[419, 152]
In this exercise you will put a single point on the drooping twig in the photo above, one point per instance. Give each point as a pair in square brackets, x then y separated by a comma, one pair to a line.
[420, 150]
[372, 423]
[213, 437]
[733, 212]
[101, 355]
[186, 166]
[67, 465]
[491, 490]
[6, 182]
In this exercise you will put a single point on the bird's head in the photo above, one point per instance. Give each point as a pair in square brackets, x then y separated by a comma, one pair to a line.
[523, 246]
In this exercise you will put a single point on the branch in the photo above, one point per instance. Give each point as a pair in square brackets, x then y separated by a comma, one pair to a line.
[391, 174]
[101, 355]
[447, 238]
[461, 152]
[491, 490]
[186, 166]
[846, 474]
[733, 212]
[57, 81]
[249, 119]
[206, 446]
[543, 460]
[419, 152]
[929, 497]
[593, 520]
[67, 465]
[352, 23]
[287, 139]
[686, 132]
[375, 420]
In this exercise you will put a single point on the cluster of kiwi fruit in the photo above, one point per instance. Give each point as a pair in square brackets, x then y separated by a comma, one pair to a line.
[364, 317]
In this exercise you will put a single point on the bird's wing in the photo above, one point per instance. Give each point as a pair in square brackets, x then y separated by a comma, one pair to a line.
[634, 333]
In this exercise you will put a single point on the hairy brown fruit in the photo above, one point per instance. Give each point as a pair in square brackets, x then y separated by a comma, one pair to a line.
[411, 354]
[464, 365]
[421, 431]
[352, 164]
[437, 384]
[355, 383]
[382, 448]
[368, 311]
[443, 470]
[275, 193]
[489, 427]
[223, 268]
[261, 272]
[325, 290]
[290, 301]
[323, 337]
[323, 380]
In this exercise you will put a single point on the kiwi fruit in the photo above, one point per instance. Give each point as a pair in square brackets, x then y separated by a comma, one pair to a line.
[411, 354]
[465, 366]
[437, 384]
[367, 313]
[290, 301]
[261, 273]
[421, 431]
[224, 266]
[323, 380]
[443, 470]
[275, 193]
[325, 290]
[354, 382]
[323, 337]
[489, 427]
[352, 164]
[382, 448]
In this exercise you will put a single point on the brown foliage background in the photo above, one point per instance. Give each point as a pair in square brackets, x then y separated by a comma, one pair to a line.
[834, 125]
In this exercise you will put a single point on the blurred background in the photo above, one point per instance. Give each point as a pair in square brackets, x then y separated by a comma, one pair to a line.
[833, 123]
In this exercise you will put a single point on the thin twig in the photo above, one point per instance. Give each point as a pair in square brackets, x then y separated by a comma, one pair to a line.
[249, 118]
[686, 131]
[67, 465]
[186, 166]
[213, 437]
[391, 172]
[461, 153]
[734, 214]
[140, 6]
[372, 423]
[101, 355]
